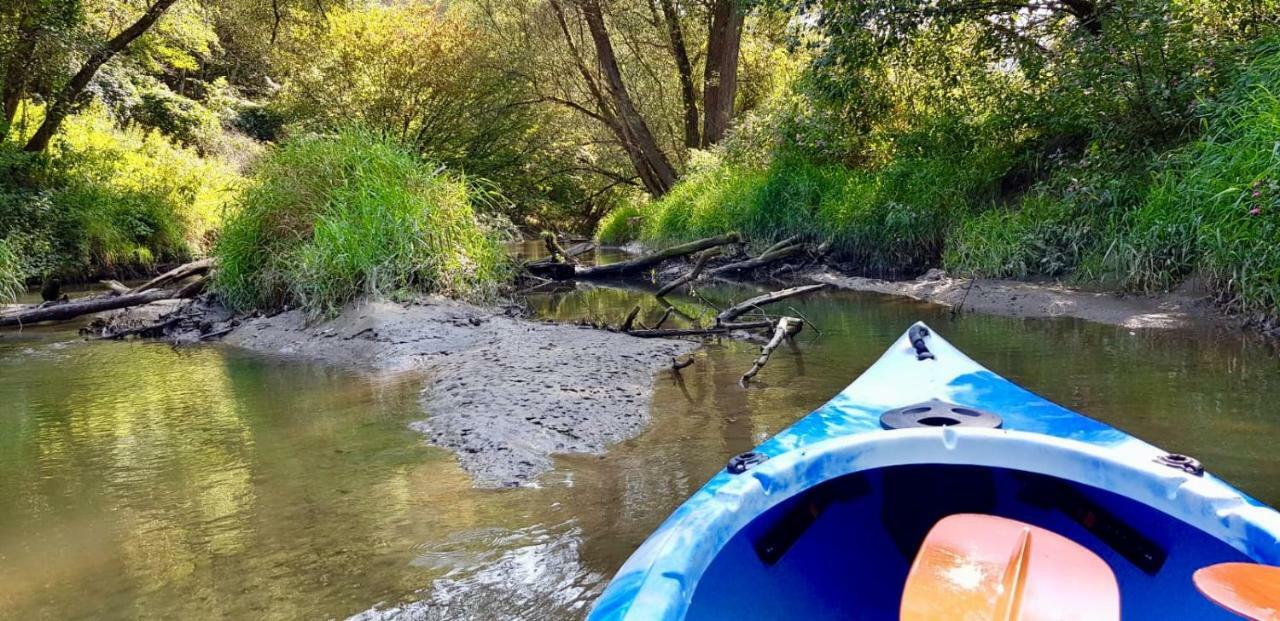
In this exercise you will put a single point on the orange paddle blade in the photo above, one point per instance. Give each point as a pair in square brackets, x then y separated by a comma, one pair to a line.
[1249, 590]
[982, 567]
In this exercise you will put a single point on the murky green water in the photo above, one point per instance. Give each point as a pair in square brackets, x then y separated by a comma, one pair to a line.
[142, 482]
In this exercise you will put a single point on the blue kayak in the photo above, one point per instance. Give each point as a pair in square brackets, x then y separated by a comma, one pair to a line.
[823, 520]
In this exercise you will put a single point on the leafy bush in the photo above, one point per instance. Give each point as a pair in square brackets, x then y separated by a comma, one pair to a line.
[107, 199]
[180, 118]
[11, 279]
[328, 219]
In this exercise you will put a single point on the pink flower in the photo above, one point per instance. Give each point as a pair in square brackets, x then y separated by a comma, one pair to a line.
[1255, 211]
[1257, 193]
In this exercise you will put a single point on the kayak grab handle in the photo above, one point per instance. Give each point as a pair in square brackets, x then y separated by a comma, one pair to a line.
[916, 335]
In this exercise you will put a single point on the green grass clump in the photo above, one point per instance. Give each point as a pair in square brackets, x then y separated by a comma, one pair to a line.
[10, 273]
[620, 225]
[1214, 206]
[329, 219]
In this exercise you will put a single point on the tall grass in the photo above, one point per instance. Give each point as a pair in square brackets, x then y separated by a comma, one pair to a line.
[1214, 206]
[327, 220]
[10, 273]
[894, 218]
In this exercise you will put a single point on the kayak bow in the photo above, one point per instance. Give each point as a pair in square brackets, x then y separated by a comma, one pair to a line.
[823, 520]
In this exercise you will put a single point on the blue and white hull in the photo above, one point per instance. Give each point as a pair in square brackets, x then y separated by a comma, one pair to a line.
[827, 526]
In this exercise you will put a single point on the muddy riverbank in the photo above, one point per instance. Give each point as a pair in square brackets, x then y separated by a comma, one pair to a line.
[504, 393]
[1022, 299]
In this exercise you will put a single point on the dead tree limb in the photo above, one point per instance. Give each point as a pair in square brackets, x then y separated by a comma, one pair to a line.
[723, 328]
[115, 286]
[677, 363]
[631, 319]
[786, 328]
[71, 310]
[693, 273]
[193, 288]
[737, 310]
[665, 315]
[558, 253]
[645, 262]
[769, 256]
[151, 329]
[176, 274]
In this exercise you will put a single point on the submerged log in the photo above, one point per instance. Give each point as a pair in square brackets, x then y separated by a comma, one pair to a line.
[645, 262]
[693, 273]
[76, 308]
[786, 328]
[745, 306]
[176, 274]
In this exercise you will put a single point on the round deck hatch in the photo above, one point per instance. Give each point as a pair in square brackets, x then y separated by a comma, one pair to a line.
[936, 413]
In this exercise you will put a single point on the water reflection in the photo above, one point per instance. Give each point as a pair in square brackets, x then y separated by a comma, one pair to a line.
[138, 481]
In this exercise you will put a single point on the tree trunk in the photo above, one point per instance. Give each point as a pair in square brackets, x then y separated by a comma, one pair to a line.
[652, 165]
[15, 79]
[720, 76]
[64, 102]
[688, 97]
[71, 310]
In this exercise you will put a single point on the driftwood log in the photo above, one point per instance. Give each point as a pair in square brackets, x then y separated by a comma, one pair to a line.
[723, 328]
[648, 261]
[76, 308]
[787, 327]
[771, 255]
[745, 306]
[176, 274]
[692, 275]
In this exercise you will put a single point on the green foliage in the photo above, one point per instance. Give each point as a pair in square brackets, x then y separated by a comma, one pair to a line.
[894, 218]
[1214, 206]
[11, 279]
[106, 199]
[182, 119]
[328, 219]
[620, 225]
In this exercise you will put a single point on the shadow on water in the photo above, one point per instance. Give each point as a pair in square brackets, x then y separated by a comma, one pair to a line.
[139, 481]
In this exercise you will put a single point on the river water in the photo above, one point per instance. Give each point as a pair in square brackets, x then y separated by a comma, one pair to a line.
[144, 482]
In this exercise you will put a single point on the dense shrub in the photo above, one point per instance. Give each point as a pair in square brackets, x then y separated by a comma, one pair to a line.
[1214, 206]
[328, 219]
[180, 118]
[10, 273]
[107, 199]
[620, 225]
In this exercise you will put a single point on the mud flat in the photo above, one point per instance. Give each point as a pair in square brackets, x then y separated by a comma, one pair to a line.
[504, 393]
[1025, 299]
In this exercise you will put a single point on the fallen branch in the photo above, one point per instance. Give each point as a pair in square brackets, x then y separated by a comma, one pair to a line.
[693, 273]
[677, 363]
[786, 328]
[665, 315]
[718, 329]
[558, 254]
[631, 319]
[645, 262]
[745, 306]
[193, 288]
[84, 306]
[115, 286]
[176, 274]
[769, 256]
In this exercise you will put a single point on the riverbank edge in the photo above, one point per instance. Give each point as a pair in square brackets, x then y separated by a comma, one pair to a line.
[503, 393]
[1023, 299]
